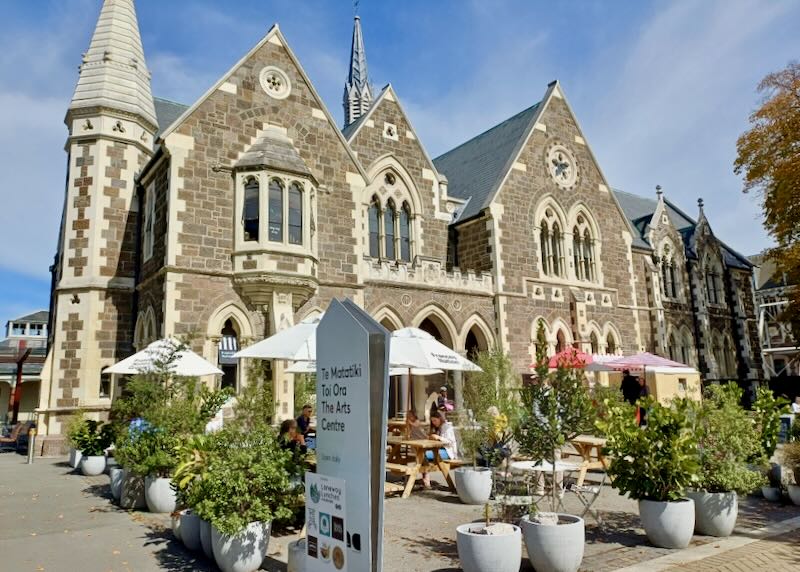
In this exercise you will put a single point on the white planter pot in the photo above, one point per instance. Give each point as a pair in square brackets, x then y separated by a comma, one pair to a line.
[714, 513]
[190, 530]
[74, 457]
[205, 538]
[297, 556]
[159, 494]
[132, 491]
[668, 524]
[555, 548]
[794, 494]
[241, 552]
[115, 476]
[473, 484]
[93, 466]
[772, 494]
[488, 553]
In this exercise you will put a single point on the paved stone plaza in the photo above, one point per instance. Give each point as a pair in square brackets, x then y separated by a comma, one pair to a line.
[55, 520]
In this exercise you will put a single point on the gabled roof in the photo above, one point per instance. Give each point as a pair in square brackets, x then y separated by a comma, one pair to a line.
[639, 211]
[475, 169]
[349, 131]
[167, 112]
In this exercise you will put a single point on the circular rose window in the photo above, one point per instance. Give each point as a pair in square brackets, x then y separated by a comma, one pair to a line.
[275, 82]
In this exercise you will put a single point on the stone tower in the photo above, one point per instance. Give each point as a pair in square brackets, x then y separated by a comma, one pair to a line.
[111, 122]
[357, 90]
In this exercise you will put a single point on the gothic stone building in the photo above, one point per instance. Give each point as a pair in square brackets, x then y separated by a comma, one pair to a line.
[250, 209]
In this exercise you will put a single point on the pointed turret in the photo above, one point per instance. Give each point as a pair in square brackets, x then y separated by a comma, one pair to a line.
[357, 90]
[113, 73]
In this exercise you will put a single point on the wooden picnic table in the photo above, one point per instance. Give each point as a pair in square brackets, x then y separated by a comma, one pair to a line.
[397, 462]
[591, 451]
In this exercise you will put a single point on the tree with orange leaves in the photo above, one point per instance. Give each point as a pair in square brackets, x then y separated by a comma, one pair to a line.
[769, 159]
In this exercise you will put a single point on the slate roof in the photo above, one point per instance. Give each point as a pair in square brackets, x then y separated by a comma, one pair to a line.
[639, 211]
[475, 168]
[274, 150]
[40, 316]
[167, 112]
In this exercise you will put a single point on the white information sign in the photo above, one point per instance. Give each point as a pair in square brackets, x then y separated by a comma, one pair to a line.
[352, 402]
[326, 536]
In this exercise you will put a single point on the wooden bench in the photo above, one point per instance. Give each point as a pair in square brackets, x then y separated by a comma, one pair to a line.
[391, 488]
[398, 469]
[455, 463]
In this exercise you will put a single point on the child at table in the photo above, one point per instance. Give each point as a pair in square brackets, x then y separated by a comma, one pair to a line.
[441, 430]
[415, 429]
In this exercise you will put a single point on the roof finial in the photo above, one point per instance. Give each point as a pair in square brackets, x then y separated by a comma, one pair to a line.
[355, 8]
[357, 89]
[700, 204]
[659, 192]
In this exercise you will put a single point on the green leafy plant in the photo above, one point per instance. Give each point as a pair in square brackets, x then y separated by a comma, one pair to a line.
[767, 411]
[255, 405]
[791, 458]
[727, 437]
[556, 408]
[245, 477]
[305, 386]
[604, 398]
[94, 438]
[75, 428]
[492, 395]
[657, 462]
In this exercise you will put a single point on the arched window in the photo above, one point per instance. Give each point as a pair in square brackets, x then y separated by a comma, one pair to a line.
[714, 290]
[295, 214]
[588, 256]
[611, 344]
[374, 228]
[672, 348]
[669, 282]
[275, 211]
[577, 253]
[544, 240]
[389, 220]
[561, 342]
[594, 343]
[405, 233]
[686, 349]
[250, 212]
[730, 358]
[149, 221]
[556, 262]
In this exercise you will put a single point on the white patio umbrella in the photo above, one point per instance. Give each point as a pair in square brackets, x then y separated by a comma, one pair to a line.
[184, 363]
[297, 343]
[412, 347]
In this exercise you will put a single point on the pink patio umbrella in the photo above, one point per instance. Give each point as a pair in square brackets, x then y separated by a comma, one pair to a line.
[569, 358]
[643, 360]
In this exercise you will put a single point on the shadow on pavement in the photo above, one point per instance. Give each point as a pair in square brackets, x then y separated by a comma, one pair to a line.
[173, 556]
[618, 527]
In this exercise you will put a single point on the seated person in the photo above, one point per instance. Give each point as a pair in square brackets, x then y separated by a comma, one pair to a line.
[304, 420]
[415, 429]
[441, 430]
[290, 438]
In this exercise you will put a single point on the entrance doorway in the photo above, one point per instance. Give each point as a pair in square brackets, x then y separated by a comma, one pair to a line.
[229, 345]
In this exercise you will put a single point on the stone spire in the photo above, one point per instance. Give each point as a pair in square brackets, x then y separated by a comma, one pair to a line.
[357, 90]
[113, 73]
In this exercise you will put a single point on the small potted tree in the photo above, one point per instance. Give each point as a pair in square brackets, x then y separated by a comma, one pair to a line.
[791, 459]
[557, 407]
[767, 411]
[249, 482]
[93, 442]
[727, 437]
[490, 396]
[654, 465]
[74, 429]
[489, 547]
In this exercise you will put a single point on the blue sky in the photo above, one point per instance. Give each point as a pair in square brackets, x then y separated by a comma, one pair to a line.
[662, 89]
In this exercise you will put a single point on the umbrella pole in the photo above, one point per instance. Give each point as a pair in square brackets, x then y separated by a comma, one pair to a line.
[410, 392]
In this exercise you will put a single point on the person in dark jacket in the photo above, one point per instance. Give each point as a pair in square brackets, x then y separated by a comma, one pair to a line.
[630, 387]
[644, 392]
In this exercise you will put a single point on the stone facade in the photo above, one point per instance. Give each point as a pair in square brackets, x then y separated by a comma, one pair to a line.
[252, 210]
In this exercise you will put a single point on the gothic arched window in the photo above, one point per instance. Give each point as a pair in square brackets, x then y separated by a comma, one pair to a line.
[611, 344]
[374, 217]
[275, 211]
[561, 342]
[250, 211]
[583, 249]
[556, 262]
[672, 348]
[588, 255]
[405, 233]
[544, 241]
[577, 253]
[295, 214]
[389, 220]
[594, 343]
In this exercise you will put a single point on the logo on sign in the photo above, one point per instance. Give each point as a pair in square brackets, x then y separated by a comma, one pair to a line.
[314, 493]
[324, 524]
[338, 528]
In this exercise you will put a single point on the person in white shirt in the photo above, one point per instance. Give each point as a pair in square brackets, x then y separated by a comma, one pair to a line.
[441, 430]
[796, 405]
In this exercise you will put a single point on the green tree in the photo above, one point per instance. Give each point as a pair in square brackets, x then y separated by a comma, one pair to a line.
[769, 158]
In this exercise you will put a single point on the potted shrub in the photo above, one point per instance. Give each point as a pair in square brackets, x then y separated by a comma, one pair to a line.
[74, 428]
[484, 437]
[92, 442]
[767, 411]
[727, 437]
[249, 481]
[489, 547]
[556, 408]
[193, 456]
[654, 465]
[791, 458]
